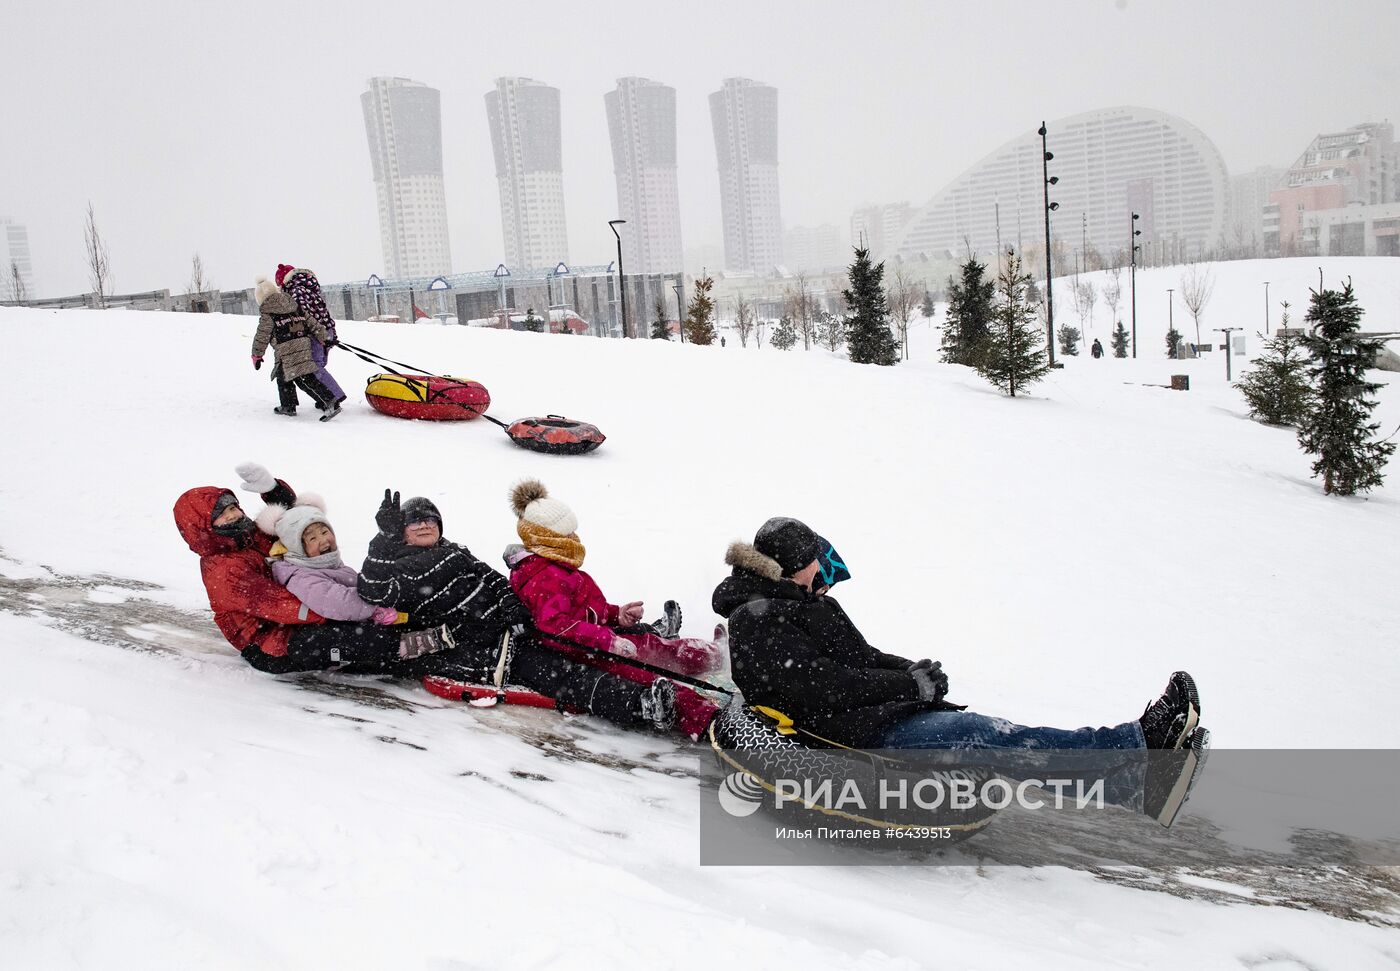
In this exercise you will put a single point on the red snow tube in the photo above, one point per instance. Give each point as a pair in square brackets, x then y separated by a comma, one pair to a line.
[427, 397]
[556, 434]
[486, 695]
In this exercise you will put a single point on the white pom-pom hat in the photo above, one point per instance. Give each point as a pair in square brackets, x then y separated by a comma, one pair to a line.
[532, 503]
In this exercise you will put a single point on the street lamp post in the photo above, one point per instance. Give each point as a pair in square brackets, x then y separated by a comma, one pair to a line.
[680, 307]
[1046, 156]
[1171, 323]
[1132, 274]
[1266, 308]
[621, 279]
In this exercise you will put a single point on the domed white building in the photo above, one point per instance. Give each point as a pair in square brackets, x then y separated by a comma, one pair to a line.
[1110, 163]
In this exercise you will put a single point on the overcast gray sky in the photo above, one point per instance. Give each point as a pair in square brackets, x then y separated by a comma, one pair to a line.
[235, 129]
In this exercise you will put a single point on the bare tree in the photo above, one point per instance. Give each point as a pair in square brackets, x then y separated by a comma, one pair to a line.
[903, 299]
[99, 265]
[831, 330]
[15, 281]
[801, 311]
[1085, 295]
[1113, 290]
[1197, 284]
[743, 319]
[199, 283]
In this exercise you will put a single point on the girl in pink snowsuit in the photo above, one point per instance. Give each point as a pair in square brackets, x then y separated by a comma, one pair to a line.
[569, 608]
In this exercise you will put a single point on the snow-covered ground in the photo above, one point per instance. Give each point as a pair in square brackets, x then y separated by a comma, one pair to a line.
[1061, 554]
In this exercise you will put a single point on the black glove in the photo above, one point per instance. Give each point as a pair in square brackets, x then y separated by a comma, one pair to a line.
[931, 681]
[390, 516]
[923, 665]
[257, 364]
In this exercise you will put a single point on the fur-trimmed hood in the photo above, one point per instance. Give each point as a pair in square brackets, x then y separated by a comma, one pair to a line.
[755, 577]
[745, 556]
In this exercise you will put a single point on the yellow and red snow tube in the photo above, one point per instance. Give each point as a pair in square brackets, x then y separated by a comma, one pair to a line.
[427, 397]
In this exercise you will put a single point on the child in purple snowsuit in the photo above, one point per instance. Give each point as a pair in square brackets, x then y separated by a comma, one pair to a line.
[311, 567]
[303, 287]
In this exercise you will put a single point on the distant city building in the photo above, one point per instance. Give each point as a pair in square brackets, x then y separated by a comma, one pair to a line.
[1110, 163]
[14, 255]
[403, 121]
[1350, 231]
[1249, 195]
[879, 226]
[526, 137]
[1356, 167]
[745, 118]
[642, 124]
[814, 249]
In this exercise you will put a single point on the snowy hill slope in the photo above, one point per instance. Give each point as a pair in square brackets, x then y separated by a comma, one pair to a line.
[1061, 554]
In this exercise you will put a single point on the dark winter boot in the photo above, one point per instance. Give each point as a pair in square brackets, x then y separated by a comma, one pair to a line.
[1172, 775]
[284, 410]
[332, 411]
[1169, 721]
[669, 625]
[659, 705]
[416, 643]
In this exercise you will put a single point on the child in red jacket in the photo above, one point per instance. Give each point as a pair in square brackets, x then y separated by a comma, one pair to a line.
[569, 608]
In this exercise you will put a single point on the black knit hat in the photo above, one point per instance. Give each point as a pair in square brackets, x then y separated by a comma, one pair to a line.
[419, 509]
[788, 541]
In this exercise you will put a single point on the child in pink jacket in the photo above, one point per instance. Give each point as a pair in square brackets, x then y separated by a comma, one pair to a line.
[569, 608]
[311, 567]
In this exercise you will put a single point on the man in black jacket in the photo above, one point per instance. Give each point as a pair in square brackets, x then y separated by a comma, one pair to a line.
[412, 568]
[794, 649]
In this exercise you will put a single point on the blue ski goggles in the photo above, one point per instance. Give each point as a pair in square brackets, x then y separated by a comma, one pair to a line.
[831, 570]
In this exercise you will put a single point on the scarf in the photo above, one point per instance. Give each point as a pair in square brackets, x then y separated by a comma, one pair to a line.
[550, 545]
[326, 561]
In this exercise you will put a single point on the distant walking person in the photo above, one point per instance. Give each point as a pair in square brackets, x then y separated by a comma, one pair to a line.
[303, 287]
[1097, 349]
[291, 335]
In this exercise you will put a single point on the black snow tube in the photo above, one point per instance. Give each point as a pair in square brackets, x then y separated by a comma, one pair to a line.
[756, 747]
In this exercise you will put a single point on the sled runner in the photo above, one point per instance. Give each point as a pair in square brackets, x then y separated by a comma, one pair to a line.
[764, 746]
[486, 695]
[427, 397]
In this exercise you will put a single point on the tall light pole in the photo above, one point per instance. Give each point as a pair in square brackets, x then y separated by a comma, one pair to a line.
[680, 307]
[1132, 274]
[1171, 325]
[621, 279]
[1266, 308]
[1046, 156]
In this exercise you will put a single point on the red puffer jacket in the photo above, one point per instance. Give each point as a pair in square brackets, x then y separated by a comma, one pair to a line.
[249, 606]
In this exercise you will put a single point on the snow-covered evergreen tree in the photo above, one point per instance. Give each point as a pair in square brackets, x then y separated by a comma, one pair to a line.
[1120, 340]
[831, 330]
[1173, 342]
[969, 315]
[660, 329]
[1277, 387]
[784, 335]
[868, 336]
[926, 308]
[532, 323]
[699, 316]
[1013, 356]
[1069, 340]
[1336, 426]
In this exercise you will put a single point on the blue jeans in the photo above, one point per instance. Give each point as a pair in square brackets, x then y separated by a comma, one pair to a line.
[969, 730]
[1075, 753]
